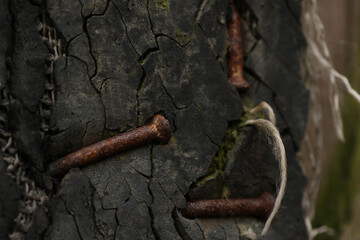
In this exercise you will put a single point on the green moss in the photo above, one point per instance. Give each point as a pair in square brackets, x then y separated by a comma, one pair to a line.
[207, 177]
[110, 133]
[141, 61]
[181, 37]
[160, 58]
[225, 192]
[232, 135]
[140, 121]
[113, 133]
[197, 105]
[123, 128]
[163, 4]
[97, 5]
[220, 159]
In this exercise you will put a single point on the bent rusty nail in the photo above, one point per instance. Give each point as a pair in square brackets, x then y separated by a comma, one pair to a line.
[158, 130]
[235, 54]
[251, 207]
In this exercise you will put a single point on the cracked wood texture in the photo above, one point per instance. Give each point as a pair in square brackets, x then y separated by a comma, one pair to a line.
[124, 61]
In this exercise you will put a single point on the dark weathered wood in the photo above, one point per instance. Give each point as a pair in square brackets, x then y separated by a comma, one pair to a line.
[122, 63]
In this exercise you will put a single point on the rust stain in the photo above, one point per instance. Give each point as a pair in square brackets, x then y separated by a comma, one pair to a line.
[235, 53]
[259, 207]
[158, 131]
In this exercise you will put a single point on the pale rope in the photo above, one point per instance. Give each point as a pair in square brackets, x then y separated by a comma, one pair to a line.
[249, 234]
[277, 146]
[278, 150]
[15, 169]
[347, 85]
[324, 60]
[267, 109]
[318, 61]
[32, 194]
[322, 229]
[246, 231]
[313, 32]
[200, 10]
[50, 38]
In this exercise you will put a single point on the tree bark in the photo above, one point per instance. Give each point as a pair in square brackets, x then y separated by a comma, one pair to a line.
[119, 64]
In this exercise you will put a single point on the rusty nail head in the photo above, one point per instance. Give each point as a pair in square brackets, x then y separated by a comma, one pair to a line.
[157, 131]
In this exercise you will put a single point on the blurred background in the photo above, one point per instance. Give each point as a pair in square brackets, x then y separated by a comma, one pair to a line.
[338, 202]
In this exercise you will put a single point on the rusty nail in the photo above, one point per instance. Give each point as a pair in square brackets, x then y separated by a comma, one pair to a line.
[252, 207]
[235, 54]
[158, 130]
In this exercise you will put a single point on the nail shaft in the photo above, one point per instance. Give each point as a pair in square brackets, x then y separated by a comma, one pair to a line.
[252, 207]
[158, 130]
[235, 54]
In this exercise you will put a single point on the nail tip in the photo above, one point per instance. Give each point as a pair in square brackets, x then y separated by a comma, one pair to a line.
[239, 83]
[52, 170]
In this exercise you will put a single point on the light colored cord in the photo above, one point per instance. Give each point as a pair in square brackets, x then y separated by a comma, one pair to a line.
[319, 67]
[269, 112]
[32, 196]
[277, 146]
